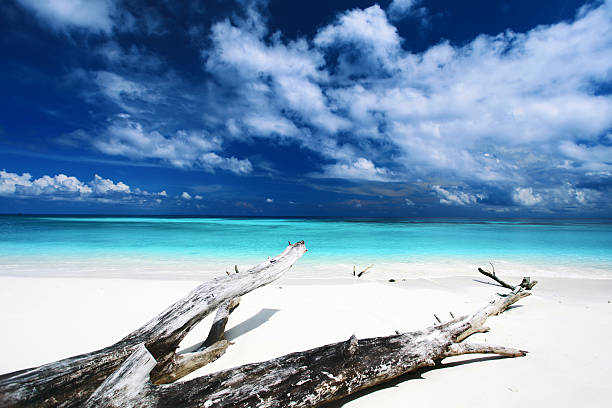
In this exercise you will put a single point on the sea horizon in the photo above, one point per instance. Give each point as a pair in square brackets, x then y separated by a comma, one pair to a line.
[202, 247]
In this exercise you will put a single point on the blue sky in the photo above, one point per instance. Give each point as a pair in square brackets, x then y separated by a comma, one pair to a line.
[357, 108]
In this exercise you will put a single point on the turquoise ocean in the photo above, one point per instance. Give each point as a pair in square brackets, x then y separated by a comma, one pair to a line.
[200, 248]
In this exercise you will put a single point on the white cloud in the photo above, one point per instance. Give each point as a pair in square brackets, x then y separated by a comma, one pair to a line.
[561, 197]
[63, 187]
[269, 200]
[398, 9]
[9, 182]
[366, 33]
[360, 169]
[526, 196]
[58, 184]
[270, 79]
[212, 161]
[105, 186]
[592, 158]
[198, 197]
[185, 149]
[122, 91]
[453, 196]
[185, 196]
[93, 15]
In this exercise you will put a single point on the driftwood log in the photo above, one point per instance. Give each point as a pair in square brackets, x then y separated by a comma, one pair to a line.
[70, 382]
[309, 378]
[139, 370]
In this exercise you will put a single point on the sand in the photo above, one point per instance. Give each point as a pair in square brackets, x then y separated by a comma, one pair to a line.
[566, 326]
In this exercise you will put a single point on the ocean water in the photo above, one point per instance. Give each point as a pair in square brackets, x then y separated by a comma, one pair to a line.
[200, 248]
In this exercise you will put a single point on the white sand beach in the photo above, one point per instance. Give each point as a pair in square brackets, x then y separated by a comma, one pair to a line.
[566, 326]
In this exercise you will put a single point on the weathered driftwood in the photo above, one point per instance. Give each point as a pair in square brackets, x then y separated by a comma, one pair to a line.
[526, 283]
[309, 378]
[70, 382]
[363, 271]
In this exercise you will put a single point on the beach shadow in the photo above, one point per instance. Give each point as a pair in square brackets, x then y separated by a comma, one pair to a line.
[488, 283]
[251, 323]
[415, 375]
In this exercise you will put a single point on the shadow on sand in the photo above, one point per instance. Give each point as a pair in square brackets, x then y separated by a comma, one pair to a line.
[251, 323]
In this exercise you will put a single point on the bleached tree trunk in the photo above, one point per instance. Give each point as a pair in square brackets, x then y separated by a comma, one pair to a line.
[70, 382]
[309, 378]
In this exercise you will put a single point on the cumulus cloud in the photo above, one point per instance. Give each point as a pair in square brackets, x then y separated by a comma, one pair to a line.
[526, 196]
[277, 83]
[559, 198]
[365, 34]
[13, 184]
[93, 15]
[105, 186]
[362, 169]
[184, 149]
[269, 200]
[454, 196]
[185, 195]
[62, 186]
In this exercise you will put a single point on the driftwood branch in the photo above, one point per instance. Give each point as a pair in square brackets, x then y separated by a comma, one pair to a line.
[70, 382]
[363, 271]
[196, 357]
[312, 377]
[526, 283]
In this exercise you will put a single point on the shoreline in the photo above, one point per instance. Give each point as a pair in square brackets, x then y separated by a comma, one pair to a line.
[311, 269]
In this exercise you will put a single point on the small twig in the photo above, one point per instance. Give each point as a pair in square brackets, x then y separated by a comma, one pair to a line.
[437, 318]
[452, 315]
[236, 268]
[364, 271]
[353, 270]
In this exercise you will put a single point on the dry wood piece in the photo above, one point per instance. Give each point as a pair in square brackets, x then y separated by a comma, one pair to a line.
[362, 272]
[195, 357]
[70, 382]
[309, 378]
[526, 283]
